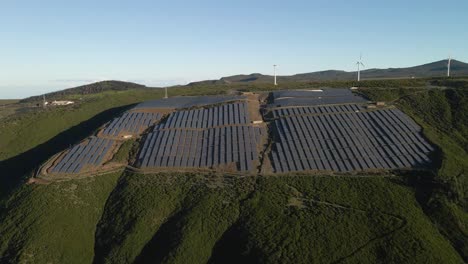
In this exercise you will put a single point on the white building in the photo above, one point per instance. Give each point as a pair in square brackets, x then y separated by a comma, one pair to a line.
[62, 103]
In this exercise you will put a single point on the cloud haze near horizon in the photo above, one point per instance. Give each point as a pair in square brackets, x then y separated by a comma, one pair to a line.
[52, 45]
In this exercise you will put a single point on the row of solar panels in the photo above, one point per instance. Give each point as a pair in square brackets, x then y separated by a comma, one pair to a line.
[299, 101]
[392, 122]
[228, 114]
[337, 92]
[131, 122]
[280, 112]
[90, 153]
[283, 162]
[350, 141]
[202, 148]
[313, 98]
[187, 101]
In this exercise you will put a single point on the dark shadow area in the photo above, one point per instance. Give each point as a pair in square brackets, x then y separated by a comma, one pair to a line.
[231, 248]
[165, 239]
[105, 237]
[16, 169]
[422, 182]
[428, 192]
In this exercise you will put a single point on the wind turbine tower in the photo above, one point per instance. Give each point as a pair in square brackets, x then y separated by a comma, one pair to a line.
[448, 66]
[359, 64]
[274, 70]
[165, 93]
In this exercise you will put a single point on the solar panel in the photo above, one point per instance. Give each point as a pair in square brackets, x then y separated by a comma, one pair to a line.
[361, 140]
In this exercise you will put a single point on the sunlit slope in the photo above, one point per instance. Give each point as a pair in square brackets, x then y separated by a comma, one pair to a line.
[173, 218]
[54, 223]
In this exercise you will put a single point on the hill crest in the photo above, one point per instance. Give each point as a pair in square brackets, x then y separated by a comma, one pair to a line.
[433, 69]
[92, 88]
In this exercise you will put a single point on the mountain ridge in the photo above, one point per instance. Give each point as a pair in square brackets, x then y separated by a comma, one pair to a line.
[432, 69]
[91, 88]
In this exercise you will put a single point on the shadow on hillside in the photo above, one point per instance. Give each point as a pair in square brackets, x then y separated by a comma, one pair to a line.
[162, 243]
[232, 248]
[229, 249]
[16, 170]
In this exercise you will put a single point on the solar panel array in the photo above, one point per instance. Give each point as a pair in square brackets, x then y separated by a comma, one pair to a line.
[337, 92]
[307, 98]
[203, 138]
[343, 142]
[282, 112]
[187, 101]
[228, 114]
[90, 153]
[202, 148]
[131, 122]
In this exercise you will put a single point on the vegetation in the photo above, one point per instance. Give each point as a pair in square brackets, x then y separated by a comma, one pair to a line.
[180, 218]
[442, 114]
[7, 107]
[53, 223]
[7, 101]
[379, 219]
[94, 88]
[126, 150]
[451, 82]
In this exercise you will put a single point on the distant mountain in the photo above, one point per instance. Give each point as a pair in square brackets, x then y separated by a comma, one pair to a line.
[434, 69]
[88, 89]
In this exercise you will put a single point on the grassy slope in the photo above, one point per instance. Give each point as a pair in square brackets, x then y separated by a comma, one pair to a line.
[124, 152]
[167, 218]
[23, 132]
[358, 220]
[54, 223]
[188, 218]
[8, 101]
[191, 218]
[443, 116]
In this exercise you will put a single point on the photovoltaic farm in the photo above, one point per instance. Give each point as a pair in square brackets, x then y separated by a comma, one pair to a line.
[344, 138]
[89, 154]
[331, 130]
[131, 123]
[219, 136]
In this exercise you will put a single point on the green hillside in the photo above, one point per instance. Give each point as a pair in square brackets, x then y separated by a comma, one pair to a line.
[93, 88]
[406, 217]
[170, 218]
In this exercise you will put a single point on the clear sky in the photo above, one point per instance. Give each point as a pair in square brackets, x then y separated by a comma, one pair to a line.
[50, 45]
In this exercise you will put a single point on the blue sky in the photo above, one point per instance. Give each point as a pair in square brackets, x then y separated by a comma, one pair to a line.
[51, 45]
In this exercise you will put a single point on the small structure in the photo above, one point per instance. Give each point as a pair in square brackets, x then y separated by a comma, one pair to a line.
[62, 103]
[380, 103]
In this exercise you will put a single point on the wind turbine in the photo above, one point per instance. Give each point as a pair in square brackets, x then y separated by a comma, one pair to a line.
[448, 66]
[359, 64]
[274, 70]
